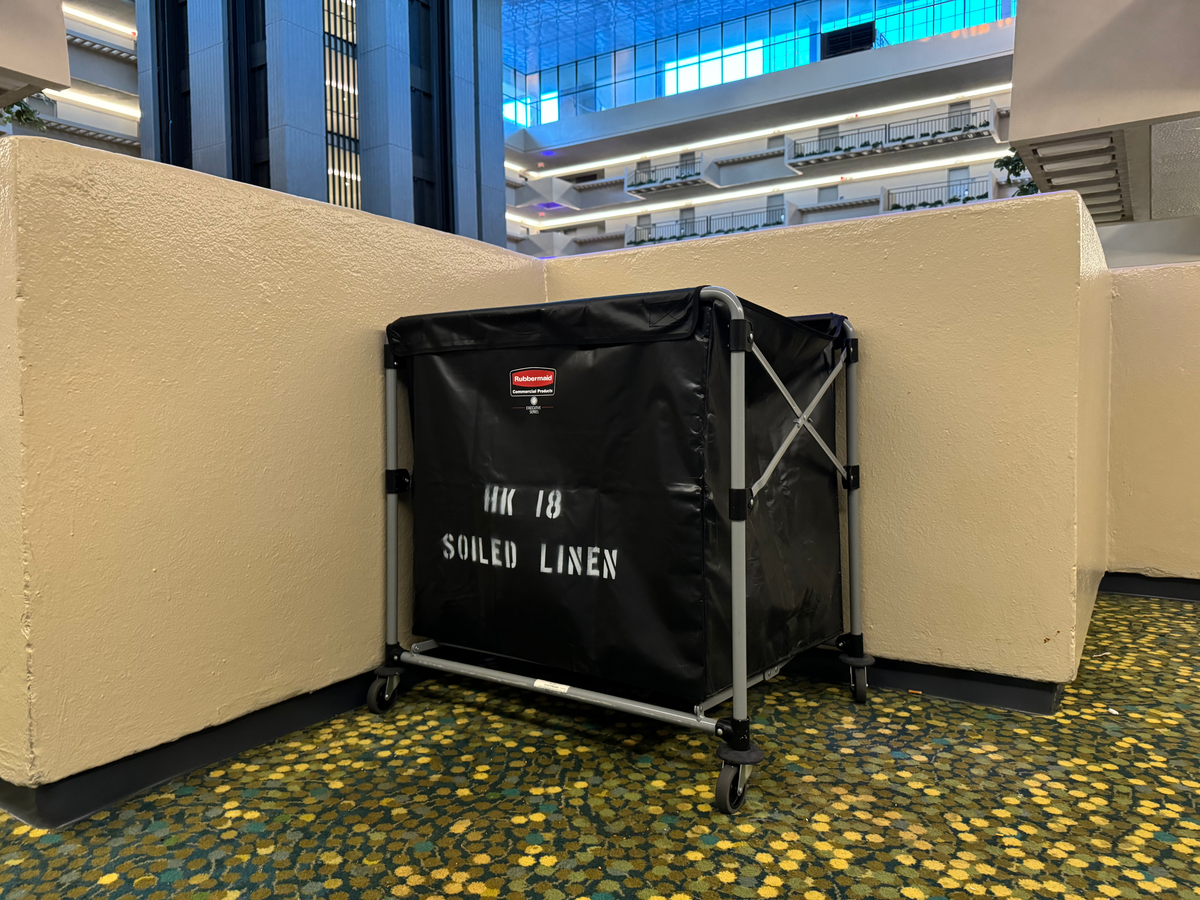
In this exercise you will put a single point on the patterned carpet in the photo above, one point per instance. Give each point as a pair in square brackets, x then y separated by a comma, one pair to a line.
[466, 791]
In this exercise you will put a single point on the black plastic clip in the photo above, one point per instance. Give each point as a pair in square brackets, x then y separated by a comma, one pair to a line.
[852, 351]
[739, 503]
[738, 748]
[734, 732]
[392, 663]
[740, 337]
[389, 358]
[851, 480]
[397, 481]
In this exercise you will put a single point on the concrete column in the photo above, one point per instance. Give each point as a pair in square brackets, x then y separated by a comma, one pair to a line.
[208, 78]
[464, 137]
[477, 129]
[147, 80]
[385, 115]
[296, 97]
[477, 121]
[489, 78]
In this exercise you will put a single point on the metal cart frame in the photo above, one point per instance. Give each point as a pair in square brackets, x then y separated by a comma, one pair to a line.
[737, 751]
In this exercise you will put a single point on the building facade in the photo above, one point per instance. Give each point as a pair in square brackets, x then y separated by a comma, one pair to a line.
[389, 107]
[802, 112]
[100, 106]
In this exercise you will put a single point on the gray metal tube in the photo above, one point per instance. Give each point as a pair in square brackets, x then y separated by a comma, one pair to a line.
[393, 511]
[853, 527]
[608, 701]
[721, 696]
[737, 481]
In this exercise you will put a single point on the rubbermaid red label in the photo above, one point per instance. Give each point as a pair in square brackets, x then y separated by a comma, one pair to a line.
[532, 382]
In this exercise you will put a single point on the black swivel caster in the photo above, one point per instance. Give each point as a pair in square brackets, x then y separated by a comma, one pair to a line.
[858, 683]
[382, 694]
[732, 784]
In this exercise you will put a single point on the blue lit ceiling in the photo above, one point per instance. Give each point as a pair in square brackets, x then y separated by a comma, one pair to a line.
[543, 33]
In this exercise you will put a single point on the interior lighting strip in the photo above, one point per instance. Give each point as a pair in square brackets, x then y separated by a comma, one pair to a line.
[70, 95]
[535, 174]
[84, 16]
[722, 196]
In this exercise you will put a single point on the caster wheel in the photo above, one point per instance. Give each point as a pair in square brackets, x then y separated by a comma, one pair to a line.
[382, 693]
[732, 784]
[858, 683]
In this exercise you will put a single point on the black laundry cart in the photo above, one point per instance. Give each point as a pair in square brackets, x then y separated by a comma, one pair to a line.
[607, 491]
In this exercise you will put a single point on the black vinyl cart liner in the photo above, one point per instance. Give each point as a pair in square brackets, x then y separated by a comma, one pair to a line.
[607, 489]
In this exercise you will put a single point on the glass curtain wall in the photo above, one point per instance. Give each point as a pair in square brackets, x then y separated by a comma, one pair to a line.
[782, 38]
[341, 104]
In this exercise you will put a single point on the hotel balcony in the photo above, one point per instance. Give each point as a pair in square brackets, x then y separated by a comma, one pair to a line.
[666, 177]
[930, 196]
[892, 136]
[705, 226]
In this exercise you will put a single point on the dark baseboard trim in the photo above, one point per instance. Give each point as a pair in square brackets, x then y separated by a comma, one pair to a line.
[78, 796]
[1132, 585]
[1001, 691]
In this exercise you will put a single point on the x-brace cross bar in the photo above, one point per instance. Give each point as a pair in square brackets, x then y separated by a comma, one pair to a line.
[802, 418]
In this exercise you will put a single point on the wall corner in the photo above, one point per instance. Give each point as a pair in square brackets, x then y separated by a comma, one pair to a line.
[16, 721]
[1093, 406]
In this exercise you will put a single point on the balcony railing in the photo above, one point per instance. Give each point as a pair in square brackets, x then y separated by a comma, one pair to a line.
[928, 196]
[703, 226]
[643, 181]
[929, 130]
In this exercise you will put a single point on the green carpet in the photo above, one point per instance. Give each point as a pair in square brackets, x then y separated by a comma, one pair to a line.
[470, 790]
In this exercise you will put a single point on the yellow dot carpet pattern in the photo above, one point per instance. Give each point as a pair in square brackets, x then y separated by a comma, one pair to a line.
[464, 790]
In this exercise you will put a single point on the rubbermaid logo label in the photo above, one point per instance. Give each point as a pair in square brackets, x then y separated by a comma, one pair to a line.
[532, 382]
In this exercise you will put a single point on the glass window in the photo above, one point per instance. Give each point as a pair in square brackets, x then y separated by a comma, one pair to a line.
[585, 73]
[833, 14]
[860, 11]
[645, 61]
[624, 64]
[604, 69]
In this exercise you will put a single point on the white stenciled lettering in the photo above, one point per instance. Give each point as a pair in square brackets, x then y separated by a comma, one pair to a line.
[498, 500]
[610, 564]
[538, 512]
[597, 562]
[554, 504]
[485, 551]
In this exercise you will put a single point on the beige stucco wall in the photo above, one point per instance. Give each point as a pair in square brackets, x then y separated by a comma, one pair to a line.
[201, 415]
[14, 690]
[1154, 523]
[983, 454]
[1093, 425]
[191, 509]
